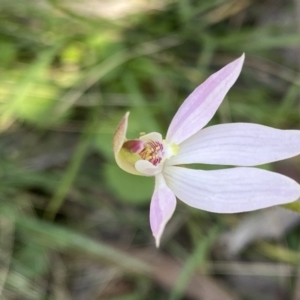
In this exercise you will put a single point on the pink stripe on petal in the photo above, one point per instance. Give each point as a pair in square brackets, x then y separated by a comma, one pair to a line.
[200, 106]
[162, 207]
[238, 144]
[231, 190]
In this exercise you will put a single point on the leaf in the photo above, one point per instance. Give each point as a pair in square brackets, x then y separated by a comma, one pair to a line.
[128, 188]
[31, 96]
[294, 206]
[31, 261]
[195, 260]
[51, 236]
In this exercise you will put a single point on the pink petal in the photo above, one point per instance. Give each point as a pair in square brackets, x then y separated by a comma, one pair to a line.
[123, 160]
[162, 207]
[231, 190]
[146, 168]
[120, 134]
[152, 136]
[200, 106]
[239, 144]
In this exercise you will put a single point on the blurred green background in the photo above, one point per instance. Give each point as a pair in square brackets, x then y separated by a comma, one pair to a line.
[74, 226]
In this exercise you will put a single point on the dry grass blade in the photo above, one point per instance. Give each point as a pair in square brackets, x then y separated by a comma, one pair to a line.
[297, 10]
[59, 285]
[115, 9]
[165, 271]
[296, 295]
[227, 10]
[267, 224]
[250, 269]
[6, 248]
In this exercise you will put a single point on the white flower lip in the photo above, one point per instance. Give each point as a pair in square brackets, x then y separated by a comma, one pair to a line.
[244, 145]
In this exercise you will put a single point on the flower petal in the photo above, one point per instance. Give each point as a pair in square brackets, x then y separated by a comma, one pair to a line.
[146, 168]
[120, 134]
[238, 144]
[152, 136]
[162, 207]
[200, 106]
[124, 159]
[231, 190]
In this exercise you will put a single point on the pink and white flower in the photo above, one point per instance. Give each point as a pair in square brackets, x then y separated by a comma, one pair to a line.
[244, 145]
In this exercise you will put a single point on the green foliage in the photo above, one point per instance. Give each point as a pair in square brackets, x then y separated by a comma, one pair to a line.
[294, 206]
[127, 187]
[194, 261]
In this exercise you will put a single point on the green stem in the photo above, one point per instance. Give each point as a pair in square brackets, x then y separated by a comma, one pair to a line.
[192, 263]
[72, 170]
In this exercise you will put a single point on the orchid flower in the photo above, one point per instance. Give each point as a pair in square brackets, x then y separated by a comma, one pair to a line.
[244, 145]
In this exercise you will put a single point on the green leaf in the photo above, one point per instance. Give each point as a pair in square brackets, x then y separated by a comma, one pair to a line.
[127, 187]
[294, 206]
[8, 53]
[32, 97]
[31, 261]
[195, 260]
[52, 236]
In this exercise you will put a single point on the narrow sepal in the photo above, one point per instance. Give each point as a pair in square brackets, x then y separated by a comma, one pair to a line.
[231, 190]
[238, 144]
[162, 207]
[200, 106]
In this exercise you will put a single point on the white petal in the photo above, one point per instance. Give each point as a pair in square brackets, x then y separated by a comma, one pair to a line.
[147, 168]
[162, 207]
[238, 144]
[231, 190]
[200, 106]
[152, 136]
